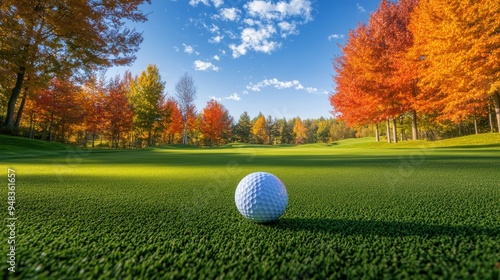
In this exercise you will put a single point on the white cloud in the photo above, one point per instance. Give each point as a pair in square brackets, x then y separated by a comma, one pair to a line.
[256, 40]
[267, 10]
[231, 34]
[360, 8]
[216, 57]
[196, 2]
[214, 28]
[176, 49]
[259, 26]
[275, 83]
[217, 3]
[261, 9]
[335, 36]
[234, 97]
[311, 89]
[230, 14]
[250, 21]
[189, 49]
[204, 66]
[215, 40]
[287, 28]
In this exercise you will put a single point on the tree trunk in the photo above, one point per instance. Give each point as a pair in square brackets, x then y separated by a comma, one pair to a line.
[184, 134]
[475, 124]
[388, 131]
[11, 105]
[377, 136]
[30, 133]
[20, 110]
[490, 117]
[62, 133]
[394, 130]
[50, 126]
[149, 138]
[496, 102]
[414, 130]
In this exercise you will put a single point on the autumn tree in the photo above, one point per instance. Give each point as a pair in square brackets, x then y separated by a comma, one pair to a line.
[457, 53]
[173, 126]
[215, 121]
[259, 129]
[94, 120]
[117, 110]
[300, 131]
[146, 96]
[60, 106]
[369, 83]
[43, 38]
[353, 99]
[194, 127]
[186, 90]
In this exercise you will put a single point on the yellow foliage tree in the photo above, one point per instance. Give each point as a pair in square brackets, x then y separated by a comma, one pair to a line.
[259, 130]
[300, 131]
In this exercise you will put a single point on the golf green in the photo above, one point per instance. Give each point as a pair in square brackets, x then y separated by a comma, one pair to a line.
[357, 209]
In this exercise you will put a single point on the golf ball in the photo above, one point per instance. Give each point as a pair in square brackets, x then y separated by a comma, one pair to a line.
[261, 197]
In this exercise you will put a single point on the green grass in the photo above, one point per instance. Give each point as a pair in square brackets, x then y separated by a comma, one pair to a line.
[357, 209]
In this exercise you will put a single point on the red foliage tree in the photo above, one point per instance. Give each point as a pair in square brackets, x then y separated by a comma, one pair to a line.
[118, 114]
[60, 106]
[368, 80]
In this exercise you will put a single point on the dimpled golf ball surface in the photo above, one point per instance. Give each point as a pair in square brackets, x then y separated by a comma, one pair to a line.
[261, 197]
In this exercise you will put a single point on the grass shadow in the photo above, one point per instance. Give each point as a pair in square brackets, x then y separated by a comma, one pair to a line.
[472, 146]
[380, 228]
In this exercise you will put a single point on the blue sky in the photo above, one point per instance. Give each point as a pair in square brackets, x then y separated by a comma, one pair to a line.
[257, 56]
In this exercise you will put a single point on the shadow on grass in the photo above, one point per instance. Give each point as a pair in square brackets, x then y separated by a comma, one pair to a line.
[379, 228]
[472, 146]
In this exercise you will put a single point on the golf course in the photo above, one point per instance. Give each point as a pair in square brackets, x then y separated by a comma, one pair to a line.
[357, 209]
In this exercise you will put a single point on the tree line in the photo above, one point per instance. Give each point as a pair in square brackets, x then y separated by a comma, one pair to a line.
[133, 112]
[434, 61]
[427, 69]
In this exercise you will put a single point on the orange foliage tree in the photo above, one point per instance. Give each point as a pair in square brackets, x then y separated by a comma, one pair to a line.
[173, 127]
[94, 119]
[457, 47]
[215, 121]
[353, 100]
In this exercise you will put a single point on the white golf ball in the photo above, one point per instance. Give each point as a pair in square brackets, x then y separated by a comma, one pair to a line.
[261, 197]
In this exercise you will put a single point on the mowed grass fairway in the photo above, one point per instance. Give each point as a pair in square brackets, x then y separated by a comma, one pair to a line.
[357, 209]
